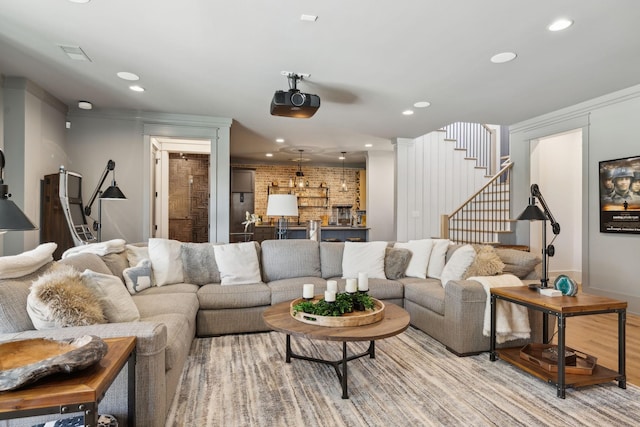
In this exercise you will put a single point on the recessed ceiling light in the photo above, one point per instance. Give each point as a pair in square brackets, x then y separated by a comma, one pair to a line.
[79, 1]
[125, 75]
[279, 140]
[85, 105]
[422, 104]
[368, 145]
[407, 112]
[269, 154]
[136, 88]
[309, 18]
[560, 24]
[503, 57]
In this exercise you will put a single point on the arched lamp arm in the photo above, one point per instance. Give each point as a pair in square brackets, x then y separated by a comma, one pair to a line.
[535, 192]
[111, 165]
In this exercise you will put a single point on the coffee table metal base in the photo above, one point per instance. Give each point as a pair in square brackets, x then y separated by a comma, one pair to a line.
[340, 366]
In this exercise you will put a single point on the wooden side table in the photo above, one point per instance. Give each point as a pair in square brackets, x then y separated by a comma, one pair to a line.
[77, 392]
[561, 307]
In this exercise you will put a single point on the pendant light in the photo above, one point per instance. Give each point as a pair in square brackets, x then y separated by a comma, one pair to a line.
[343, 183]
[299, 174]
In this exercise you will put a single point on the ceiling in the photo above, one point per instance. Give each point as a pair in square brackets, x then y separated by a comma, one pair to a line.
[368, 61]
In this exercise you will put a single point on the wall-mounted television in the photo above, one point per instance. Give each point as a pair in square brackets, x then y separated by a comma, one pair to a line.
[71, 201]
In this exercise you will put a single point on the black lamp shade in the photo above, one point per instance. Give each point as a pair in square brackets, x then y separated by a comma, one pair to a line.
[532, 213]
[12, 218]
[113, 193]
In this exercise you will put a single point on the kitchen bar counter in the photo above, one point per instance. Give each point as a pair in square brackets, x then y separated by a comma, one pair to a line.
[339, 232]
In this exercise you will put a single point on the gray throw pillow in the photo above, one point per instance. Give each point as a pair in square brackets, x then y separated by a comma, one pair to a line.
[519, 263]
[396, 261]
[199, 265]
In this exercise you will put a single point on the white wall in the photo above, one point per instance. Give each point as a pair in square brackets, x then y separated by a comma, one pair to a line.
[556, 167]
[380, 195]
[34, 146]
[610, 129]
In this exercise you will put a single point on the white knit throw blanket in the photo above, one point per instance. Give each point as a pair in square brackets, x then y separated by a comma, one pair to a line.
[102, 248]
[512, 320]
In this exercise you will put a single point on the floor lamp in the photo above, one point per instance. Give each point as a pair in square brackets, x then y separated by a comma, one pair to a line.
[533, 213]
[111, 193]
[11, 217]
[282, 205]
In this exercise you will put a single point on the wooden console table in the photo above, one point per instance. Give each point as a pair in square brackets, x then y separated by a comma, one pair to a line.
[561, 307]
[76, 392]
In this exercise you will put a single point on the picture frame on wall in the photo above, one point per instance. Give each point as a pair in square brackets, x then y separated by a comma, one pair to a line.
[620, 195]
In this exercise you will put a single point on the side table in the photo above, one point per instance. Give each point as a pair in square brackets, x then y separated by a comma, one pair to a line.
[561, 307]
[77, 392]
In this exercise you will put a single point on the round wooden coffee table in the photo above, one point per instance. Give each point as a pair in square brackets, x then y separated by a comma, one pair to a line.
[278, 317]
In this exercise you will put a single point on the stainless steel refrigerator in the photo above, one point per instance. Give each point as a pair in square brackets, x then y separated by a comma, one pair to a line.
[242, 201]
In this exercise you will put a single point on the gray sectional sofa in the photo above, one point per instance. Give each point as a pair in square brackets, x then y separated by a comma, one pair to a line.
[171, 316]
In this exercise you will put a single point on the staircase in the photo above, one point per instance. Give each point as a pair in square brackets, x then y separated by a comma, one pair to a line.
[485, 215]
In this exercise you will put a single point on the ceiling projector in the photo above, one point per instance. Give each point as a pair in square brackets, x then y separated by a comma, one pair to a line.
[292, 102]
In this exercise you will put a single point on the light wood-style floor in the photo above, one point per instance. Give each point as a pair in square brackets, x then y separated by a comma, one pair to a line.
[597, 335]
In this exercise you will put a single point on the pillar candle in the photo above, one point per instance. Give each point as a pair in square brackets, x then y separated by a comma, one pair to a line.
[351, 285]
[363, 282]
[329, 296]
[307, 290]
[332, 285]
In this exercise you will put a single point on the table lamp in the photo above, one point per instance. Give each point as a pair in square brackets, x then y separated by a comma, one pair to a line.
[282, 205]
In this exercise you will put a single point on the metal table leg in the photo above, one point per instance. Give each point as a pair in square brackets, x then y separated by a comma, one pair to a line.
[622, 379]
[561, 359]
[492, 348]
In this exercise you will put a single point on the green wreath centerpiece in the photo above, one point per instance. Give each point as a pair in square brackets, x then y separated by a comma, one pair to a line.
[344, 303]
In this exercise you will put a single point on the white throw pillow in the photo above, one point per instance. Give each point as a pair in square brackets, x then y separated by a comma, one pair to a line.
[117, 304]
[238, 263]
[138, 278]
[166, 261]
[14, 266]
[438, 258]
[135, 254]
[420, 253]
[458, 264]
[363, 257]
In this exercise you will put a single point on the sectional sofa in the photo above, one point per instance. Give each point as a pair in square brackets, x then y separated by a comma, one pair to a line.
[200, 305]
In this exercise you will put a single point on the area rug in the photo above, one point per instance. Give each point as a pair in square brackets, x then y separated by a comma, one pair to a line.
[243, 380]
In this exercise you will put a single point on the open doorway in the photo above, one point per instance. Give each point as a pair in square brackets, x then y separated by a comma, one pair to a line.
[181, 181]
[556, 166]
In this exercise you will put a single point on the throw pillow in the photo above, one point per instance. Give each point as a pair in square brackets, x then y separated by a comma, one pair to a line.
[113, 296]
[135, 254]
[363, 257]
[238, 263]
[166, 261]
[420, 254]
[59, 299]
[437, 259]
[458, 264]
[486, 263]
[14, 266]
[199, 263]
[396, 261]
[138, 278]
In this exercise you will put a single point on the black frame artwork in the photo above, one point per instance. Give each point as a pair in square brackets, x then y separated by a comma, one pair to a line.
[619, 182]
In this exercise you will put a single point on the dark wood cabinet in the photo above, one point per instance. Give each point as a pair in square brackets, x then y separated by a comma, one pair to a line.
[54, 227]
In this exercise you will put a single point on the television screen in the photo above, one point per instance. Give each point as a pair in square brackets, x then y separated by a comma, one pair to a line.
[77, 215]
[74, 188]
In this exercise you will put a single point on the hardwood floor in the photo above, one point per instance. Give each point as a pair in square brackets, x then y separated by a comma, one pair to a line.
[597, 335]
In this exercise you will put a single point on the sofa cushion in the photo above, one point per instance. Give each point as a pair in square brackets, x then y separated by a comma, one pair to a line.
[216, 296]
[396, 261]
[166, 259]
[519, 263]
[331, 259]
[199, 263]
[363, 257]
[288, 289]
[116, 263]
[420, 254]
[283, 259]
[59, 299]
[113, 295]
[238, 263]
[14, 266]
[385, 289]
[153, 305]
[179, 337]
[425, 293]
[83, 261]
[13, 301]
[176, 288]
[138, 278]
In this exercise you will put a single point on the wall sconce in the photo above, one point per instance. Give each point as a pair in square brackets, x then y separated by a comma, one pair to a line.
[11, 217]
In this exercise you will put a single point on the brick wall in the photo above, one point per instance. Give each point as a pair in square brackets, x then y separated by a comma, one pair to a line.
[267, 174]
